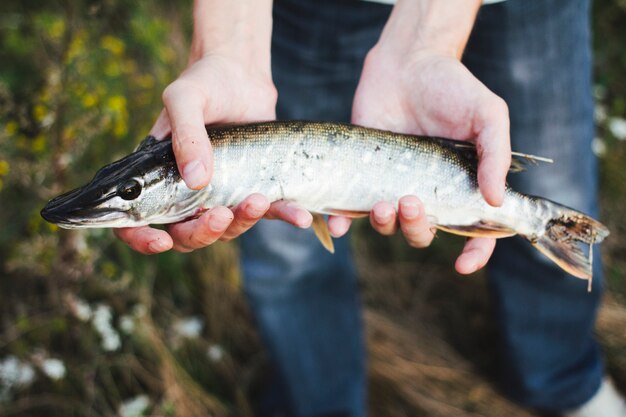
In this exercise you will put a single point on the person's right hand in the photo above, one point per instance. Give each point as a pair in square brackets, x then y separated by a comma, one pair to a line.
[216, 88]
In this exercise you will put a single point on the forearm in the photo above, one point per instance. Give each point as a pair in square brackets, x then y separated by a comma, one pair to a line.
[241, 28]
[440, 25]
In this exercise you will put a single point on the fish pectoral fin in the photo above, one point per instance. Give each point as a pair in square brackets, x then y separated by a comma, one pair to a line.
[353, 214]
[321, 231]
[519, 161]
[479, 229]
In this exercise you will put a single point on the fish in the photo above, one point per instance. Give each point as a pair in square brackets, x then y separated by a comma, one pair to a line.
[329, 169]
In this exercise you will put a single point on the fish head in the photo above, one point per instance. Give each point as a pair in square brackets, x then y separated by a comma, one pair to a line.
[142, 188]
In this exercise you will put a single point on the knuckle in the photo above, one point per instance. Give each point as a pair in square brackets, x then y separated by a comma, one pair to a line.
[500, 107]
[178, 88]
[171, 92]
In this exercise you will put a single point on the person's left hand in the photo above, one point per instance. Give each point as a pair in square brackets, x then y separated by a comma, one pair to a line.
[431, 93]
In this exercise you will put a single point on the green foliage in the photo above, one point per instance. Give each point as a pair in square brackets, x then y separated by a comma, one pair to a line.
[610, 59]
[80, 84]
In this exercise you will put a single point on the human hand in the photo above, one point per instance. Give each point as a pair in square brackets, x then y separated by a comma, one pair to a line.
[191, 102]
[227, 80]
[431, 93]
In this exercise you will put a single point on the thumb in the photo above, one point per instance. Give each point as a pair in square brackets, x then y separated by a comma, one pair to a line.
[493, 145]
[192, 148]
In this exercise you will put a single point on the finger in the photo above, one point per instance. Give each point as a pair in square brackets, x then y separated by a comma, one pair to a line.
[291, 213]
[145, 239]
[414, 224]
[493, 145]
[475, 255]
[338, 225]
[185, 107]
[201, 232]
[246, 213]
[383, 218]
[162, 126]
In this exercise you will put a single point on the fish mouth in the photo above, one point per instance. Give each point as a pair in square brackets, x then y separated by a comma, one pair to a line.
[75, 210]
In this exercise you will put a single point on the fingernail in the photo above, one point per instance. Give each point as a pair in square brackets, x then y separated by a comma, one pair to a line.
[409, 210]
[195, 174]
[383, 217]
[157, 245]
[219, 222]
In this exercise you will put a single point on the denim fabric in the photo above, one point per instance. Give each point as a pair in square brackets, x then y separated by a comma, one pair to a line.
[536, 55]
[305, 301]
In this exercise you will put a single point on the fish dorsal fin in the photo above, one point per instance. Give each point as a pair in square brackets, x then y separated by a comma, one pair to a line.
[519, 160]
[321, 231]
[146, 143]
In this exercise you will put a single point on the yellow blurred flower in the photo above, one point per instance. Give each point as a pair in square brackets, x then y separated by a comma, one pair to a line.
[4, 167]
[57, 28]
[89, 100]
[109, 269]
[11, 128]
[77, 46]
[145, 81]
[68, 133]
[39, 144]
[117, 104]
[167, 54]
[114, 45]
[40, 112]
[121, 126]
[112, 69]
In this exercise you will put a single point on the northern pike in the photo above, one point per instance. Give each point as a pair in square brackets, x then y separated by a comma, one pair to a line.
[327, 168]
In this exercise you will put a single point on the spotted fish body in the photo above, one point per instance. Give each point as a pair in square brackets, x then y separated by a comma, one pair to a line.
[327, 168]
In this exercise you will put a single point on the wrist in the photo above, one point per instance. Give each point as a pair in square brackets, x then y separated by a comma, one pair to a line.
[236, 29]
[435, 26]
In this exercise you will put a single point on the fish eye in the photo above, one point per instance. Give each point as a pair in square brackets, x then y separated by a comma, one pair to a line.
[129, 190]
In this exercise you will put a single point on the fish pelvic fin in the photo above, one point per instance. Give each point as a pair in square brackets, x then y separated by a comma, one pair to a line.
[321, 231]
[479, 229]
[564, 239]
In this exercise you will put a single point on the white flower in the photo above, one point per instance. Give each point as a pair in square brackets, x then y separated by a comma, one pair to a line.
[599, 92]
[599, 113]
[102, 323]
[127, 324]
[215, 353]
[598, 147]
[617, 126]
[14, 373]
[82, 310]
[134, 407]
[53, 368]
[139, 311]
[189, 327]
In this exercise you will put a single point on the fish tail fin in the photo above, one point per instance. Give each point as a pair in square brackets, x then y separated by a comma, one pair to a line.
[565, 236]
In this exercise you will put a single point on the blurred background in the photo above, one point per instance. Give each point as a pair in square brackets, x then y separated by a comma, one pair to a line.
[89, 328]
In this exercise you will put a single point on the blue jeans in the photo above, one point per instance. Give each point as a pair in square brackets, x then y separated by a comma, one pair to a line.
[535, 55]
